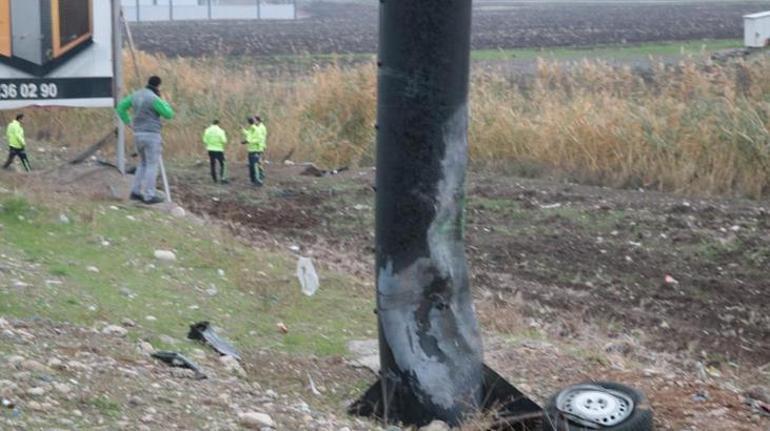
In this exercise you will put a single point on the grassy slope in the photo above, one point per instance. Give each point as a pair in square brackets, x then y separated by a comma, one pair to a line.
[258, 289]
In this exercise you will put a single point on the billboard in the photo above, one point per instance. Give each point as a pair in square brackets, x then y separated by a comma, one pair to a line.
[56, 53]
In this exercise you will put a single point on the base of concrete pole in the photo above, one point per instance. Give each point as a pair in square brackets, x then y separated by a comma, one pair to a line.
[509, 409]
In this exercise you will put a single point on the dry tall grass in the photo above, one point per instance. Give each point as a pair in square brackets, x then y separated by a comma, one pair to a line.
[689, 128]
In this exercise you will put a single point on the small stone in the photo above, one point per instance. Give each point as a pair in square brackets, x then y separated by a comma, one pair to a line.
[178, 212]
[56, 364]
[116, 330]
[435, 426]
[36, 391]
[255, 420]
[63, 219]
[77, 366]
[145, 347]
[128, 322]
[165, 255]
[759, 393]
[35, 366]
[15, 361]
[150, 318]
[92, 269]
[62, 388]
[232, 366]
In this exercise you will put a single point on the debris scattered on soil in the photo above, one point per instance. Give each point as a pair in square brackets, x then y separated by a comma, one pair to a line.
[202, 331]
[176, 359]
[308, 278]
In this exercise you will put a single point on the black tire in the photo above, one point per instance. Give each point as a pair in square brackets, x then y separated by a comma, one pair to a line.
[640, 419]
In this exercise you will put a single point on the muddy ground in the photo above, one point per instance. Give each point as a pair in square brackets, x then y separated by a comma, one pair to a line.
[353, 28]
[686, 275]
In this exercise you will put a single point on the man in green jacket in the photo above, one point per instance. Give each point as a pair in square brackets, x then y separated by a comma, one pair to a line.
[255, 139]
[16, 144]
[215, 140]
[148, 109]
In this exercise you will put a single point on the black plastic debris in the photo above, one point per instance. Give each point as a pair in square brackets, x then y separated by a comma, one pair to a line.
[202, 331]
[175, 359]
[509, 409]
[313, 171]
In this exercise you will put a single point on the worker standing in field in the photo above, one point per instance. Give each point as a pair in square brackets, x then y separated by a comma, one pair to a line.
[215, 140]
[16, 144]
[148, 107]
[255, 139]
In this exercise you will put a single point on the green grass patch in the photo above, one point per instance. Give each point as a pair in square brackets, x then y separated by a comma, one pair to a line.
[614, 52]
[101, 268]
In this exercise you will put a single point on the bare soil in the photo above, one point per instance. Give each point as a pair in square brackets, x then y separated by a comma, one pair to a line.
[664, 292]
[688, 273]
[338, 28]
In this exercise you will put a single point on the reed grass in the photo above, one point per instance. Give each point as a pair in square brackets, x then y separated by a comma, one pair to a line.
[690, 128]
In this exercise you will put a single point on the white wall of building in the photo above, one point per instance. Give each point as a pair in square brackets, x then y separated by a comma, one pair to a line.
[756, 29]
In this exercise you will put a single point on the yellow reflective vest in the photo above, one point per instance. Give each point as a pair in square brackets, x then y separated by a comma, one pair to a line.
[215, 138]
[15, 135]
[256, 138]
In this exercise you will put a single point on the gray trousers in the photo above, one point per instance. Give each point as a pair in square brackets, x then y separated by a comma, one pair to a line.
[149, 147]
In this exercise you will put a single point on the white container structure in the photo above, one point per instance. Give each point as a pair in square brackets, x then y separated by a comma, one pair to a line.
[756, 28]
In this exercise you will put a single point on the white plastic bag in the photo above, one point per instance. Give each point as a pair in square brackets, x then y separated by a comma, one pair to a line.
[308, 278]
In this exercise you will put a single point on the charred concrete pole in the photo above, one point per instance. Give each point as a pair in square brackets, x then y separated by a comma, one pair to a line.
[430, 348]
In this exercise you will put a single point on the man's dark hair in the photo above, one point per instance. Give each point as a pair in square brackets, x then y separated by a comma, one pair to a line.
[257, 118]
[19, 117]
[215, 122]
[154, 81]
[250, 120]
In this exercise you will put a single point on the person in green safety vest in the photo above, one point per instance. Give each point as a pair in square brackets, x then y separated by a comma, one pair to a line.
[255, 139]
[17, 146]
[215, 140]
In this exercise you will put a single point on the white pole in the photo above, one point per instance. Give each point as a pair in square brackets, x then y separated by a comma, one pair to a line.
[117, 82]
[164, 177]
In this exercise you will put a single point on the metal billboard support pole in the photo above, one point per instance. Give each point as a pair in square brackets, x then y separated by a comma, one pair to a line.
[259, 9]
[208, 3]
[431, 355]
[117, 82]
[170, 10]
[137, 11]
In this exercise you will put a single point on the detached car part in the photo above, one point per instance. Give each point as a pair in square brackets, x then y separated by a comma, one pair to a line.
[202, 331]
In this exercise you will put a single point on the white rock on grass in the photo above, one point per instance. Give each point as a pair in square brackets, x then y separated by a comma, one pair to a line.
[165, 255]
[64, 219]
[255, 420]
[92, 269]
[435, 426]
[36, 392]
[145, 347]
[115, 330]
[178, 212]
